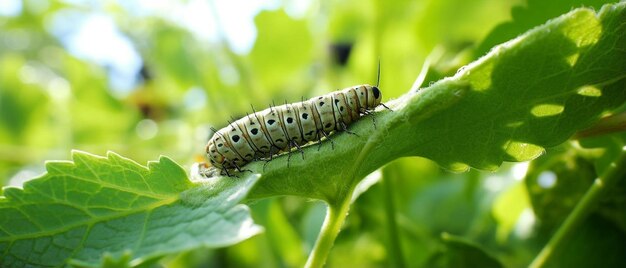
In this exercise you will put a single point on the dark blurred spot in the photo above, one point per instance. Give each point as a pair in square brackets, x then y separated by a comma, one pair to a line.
[340, 52]
[144, 73]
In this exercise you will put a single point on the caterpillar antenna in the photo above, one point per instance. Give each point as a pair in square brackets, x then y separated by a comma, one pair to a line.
[378, 77]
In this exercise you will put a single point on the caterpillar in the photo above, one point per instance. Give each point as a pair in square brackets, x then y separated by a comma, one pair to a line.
[263, 134]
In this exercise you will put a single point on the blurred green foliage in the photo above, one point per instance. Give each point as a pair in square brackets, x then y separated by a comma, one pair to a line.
[53, 99]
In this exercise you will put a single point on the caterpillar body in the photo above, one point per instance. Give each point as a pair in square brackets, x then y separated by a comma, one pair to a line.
[265, 133]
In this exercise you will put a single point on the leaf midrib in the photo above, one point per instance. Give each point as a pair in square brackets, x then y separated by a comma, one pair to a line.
[91, 222]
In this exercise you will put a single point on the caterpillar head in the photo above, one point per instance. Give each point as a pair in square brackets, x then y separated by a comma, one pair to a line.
[377, 96]
[373, 96]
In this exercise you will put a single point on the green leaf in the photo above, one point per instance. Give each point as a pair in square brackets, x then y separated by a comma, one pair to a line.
[597, 242]
[94, 207]
[530, 93]
[287, 49]
[531, 14]
[556, 182]
[18, 104]
[613, 206]
[282, 238]
[460, 253]
[507, 210]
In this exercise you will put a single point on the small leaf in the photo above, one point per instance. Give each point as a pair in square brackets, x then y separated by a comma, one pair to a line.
[556, 182]
[94, 207]
[597, 242]
[613, 207]
[460, 253]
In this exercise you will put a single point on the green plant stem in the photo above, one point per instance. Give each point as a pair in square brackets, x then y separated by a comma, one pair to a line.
[395, 247]
[587, 204]
[335, 217]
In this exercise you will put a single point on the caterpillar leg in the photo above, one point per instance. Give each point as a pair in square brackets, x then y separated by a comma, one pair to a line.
[238, 168]
[367, 112]
[288, 152]
[297, 146]
[344, 128]
[299, 149]
[273, 151]
[332, 144]
[386, 106]
[225, 170]
[294, 144]
[265, 164]
[319, 141]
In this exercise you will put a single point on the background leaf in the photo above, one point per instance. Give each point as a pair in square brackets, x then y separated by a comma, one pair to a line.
[533, 13]
[460, 253]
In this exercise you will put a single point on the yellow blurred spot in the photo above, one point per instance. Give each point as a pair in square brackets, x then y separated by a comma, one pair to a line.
[200, 158]
[542, 110]
[515, 124]
[572, 59]
[458, 167]
[481, 76]
[521, 151]
[584, 29]
[508, 209]
[589, 91]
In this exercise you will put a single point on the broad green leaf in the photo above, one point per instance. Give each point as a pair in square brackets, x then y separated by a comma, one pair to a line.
[96, 210]
[530, 93]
